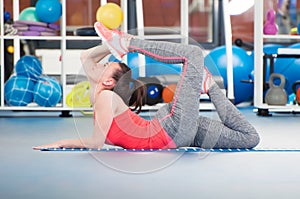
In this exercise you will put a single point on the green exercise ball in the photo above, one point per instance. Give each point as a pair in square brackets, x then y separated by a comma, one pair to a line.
[28, 14]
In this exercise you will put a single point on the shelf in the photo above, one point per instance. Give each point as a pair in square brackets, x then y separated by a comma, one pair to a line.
[282, 36]
[39, 108]
[33, 107]
[259, 40]
[171, 36]
[33, 37]
[265, 109]
[144, 37]
[286, 107]
[288, 51]
[83, 38]
[64, 37]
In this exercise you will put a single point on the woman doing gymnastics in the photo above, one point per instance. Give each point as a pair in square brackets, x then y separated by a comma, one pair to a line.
[176, 124]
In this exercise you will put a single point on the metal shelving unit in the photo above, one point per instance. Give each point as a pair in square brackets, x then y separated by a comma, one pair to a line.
[63, 38]
[259, 37]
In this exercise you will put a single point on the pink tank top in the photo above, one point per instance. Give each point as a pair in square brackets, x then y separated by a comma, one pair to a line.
[131, 131]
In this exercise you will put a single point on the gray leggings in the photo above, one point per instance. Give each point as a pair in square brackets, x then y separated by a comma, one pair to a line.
[180, 118]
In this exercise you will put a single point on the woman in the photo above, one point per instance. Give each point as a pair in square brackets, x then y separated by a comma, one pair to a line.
[176, 124]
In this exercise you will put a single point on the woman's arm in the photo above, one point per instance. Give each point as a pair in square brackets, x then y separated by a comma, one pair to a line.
[72, 143]
[96, 141]
[90, 58]
[107, 105]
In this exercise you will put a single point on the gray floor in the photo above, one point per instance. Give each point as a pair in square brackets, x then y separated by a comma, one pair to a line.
[25, 173]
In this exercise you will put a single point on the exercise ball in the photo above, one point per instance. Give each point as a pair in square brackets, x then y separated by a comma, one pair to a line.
[18, 91]
[154, 92]
[10, 49]
[133, 64]
[289, 67]
[29, 14]
[79, 95]
[29, 66]
[48, 11]
[152, 66]
[110, 15]
[6, 16]
[268, 49]
[168, 93]
[47, 92]
[242, 67]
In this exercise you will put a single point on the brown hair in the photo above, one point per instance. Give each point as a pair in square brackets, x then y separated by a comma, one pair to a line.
[133, 92]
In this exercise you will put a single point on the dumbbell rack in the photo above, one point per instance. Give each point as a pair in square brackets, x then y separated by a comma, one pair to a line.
[259, 84]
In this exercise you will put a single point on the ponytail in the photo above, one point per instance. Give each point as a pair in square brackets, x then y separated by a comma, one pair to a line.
[138, 95]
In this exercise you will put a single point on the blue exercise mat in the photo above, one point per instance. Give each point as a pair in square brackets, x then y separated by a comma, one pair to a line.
[184, 149]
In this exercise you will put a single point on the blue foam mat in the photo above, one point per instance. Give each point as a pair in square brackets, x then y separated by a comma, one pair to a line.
[184, 149]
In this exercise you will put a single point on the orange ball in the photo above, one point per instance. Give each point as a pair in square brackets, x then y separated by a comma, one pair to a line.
[168, 93]
[110, 15]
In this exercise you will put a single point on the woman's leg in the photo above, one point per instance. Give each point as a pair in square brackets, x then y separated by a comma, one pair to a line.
[178, 118]
[233, 131]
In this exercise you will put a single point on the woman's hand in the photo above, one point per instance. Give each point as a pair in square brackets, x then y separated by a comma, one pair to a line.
[57, 144]
[93, 142]
[52, 145]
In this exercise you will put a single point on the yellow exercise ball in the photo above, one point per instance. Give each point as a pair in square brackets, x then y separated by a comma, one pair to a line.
[110, 15]
[10, 49]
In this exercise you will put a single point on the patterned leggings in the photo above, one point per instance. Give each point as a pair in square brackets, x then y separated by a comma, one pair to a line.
[180, 118]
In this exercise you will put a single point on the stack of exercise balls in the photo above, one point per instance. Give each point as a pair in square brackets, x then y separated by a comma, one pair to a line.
[39, 20]
[30, 85]
[48, 11]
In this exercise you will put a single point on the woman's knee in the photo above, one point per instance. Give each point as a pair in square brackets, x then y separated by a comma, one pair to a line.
[195, 50]
[254, 140]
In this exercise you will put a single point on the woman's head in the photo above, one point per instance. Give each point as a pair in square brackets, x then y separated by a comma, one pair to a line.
[133, 92]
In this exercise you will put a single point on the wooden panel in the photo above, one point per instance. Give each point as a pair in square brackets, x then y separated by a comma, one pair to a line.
[8, 5]
[83, 12]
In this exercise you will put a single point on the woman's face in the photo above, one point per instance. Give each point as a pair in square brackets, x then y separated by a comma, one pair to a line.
[108, 69]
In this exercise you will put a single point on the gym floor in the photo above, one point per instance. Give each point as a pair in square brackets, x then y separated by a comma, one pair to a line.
[26, 173]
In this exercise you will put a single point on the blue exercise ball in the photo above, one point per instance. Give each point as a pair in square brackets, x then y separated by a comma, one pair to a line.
[47, 92]
[153, 91]
[269, 49]
[18, 91]
[133, 63]
[48, 11]
[272, 48]
[243, 65]
[6, 16]
[29, 66]
[152, 67]
[290, 68]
